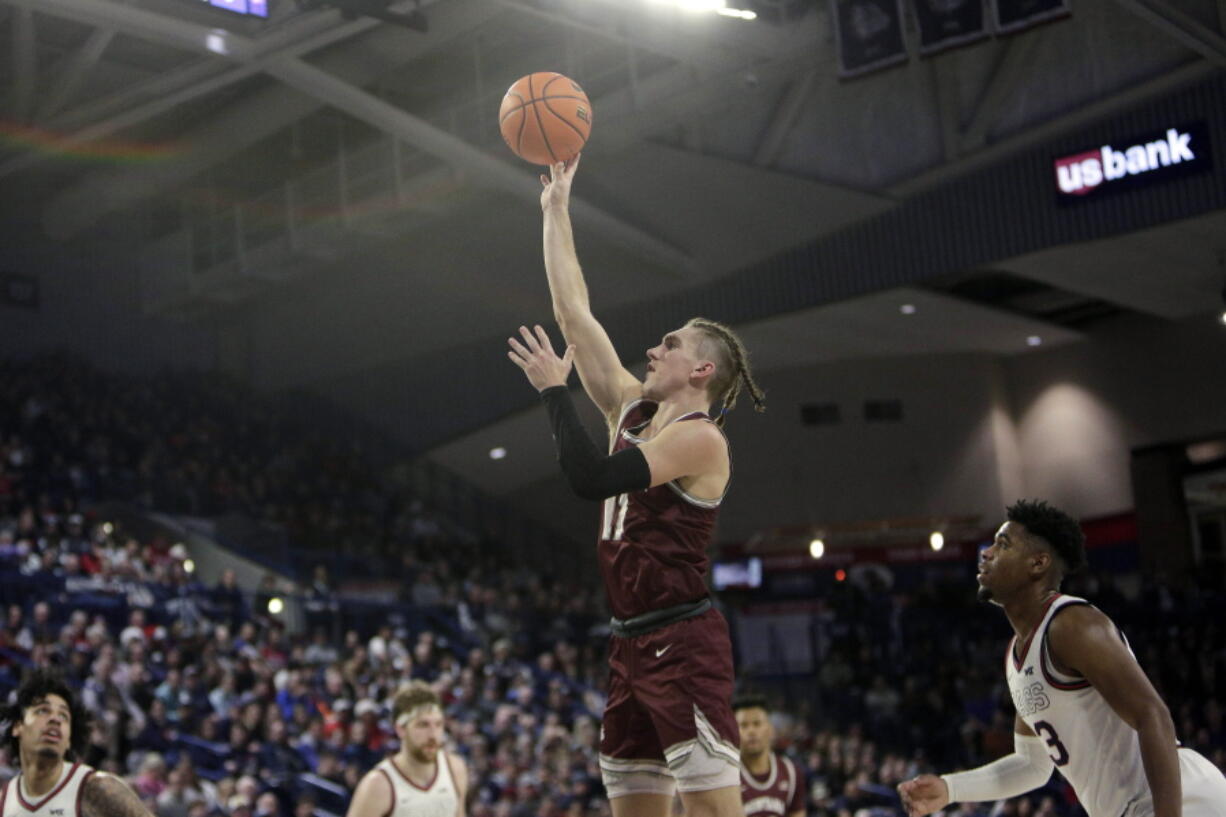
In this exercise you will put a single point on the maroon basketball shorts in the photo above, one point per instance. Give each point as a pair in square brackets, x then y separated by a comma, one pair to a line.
[669, 717]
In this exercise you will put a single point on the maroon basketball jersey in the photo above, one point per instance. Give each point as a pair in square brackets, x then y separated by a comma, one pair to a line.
[653, 543]
[779, 793]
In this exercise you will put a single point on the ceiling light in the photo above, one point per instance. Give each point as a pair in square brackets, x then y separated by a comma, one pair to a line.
[907, 309]
[189, 566]
[1224, 317]
[937, 540]
[817, 548]
[1034, 340]
[275, 605]
[498, 453]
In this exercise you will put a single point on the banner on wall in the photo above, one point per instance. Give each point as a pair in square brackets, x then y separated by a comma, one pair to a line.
[869, 35]
[1015, 15]
[948, 23]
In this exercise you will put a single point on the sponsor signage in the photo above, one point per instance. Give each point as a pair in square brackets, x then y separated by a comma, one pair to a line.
[1131, 163]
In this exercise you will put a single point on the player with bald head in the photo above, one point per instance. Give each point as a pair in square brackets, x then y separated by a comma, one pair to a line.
[1084, 705]
[422, 779]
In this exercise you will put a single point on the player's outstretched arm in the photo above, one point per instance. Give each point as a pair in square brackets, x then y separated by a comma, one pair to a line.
[604, 378]
[373, 796]
[1084, 640]
[1025, 770]
[105, 795]
[592, 473]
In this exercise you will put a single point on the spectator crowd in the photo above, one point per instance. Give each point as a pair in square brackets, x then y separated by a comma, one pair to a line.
[213, 707]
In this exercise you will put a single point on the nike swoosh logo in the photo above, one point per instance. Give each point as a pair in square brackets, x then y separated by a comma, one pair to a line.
[662, 650]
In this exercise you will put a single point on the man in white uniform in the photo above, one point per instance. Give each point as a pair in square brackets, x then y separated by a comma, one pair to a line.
[46, 731]
[422, 779]
[1084, 705]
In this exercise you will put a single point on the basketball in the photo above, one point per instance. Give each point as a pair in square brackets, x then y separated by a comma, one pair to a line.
[545, 118]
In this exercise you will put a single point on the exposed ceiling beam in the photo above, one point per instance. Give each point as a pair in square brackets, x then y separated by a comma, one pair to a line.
[1013, 67]
[1182, 27]
[784, 118]
[483, 167]
[255, 117]
[75, 68]
[1083, 115]
[945, 98]
[23, 63]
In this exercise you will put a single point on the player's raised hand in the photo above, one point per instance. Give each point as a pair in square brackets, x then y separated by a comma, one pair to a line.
[557, 184]
[923, 795]
[538, 359]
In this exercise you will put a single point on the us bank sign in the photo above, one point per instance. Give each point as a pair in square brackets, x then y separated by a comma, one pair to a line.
[1132, 163]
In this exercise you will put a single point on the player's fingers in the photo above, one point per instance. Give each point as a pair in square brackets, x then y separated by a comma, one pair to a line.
[515, 359]
[544, 180]
[529, 340]
[569, 356]
[542, 337]
[572, 164]
[519, 348]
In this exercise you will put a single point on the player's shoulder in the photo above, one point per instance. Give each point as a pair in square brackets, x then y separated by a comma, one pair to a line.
[1075, 618]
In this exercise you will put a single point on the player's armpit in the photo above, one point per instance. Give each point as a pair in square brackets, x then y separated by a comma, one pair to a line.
[1022, 728]
[105, 795]
[690, 449]
[373, 796]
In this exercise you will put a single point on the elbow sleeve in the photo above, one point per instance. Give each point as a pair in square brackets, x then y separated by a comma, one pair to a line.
[1028, 768]
[592, 474]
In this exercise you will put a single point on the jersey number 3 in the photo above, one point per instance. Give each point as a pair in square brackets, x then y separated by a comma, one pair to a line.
[1059, 756]
[613, 517]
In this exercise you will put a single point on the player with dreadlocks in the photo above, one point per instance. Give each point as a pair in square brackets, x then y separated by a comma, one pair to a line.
[668, 723]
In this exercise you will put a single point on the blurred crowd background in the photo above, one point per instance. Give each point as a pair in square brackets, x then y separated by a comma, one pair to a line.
[212, 705]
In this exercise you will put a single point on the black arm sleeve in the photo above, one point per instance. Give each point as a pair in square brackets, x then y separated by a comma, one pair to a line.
[592, 473]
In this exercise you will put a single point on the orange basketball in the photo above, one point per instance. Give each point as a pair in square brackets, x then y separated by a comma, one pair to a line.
[545, 118]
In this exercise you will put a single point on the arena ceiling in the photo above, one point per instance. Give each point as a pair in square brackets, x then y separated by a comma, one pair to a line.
[334, 193]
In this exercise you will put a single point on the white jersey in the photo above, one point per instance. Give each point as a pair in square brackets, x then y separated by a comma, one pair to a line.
[1096, 751]
[439, 798]
[64, 799]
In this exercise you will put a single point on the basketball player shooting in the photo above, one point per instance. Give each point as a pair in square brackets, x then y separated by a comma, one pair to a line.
[422, 779]
[668, 724]
[1084, 706]
[46, 731]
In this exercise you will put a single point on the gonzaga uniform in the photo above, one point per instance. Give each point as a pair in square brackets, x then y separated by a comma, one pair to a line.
[670, 656]
[1096, 751]
[64, 799]
[779, 793]
[438, 799]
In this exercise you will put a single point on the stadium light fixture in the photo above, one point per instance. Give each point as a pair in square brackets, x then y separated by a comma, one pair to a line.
[275, 606]
[720, 7]
[936, 540]
[817, 548]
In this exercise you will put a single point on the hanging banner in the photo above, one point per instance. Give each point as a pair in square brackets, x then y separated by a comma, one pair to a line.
[1015, 15]
[947, 23]
[868, 33]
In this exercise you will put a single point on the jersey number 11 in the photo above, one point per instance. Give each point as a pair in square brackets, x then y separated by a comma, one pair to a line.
[613, 517]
